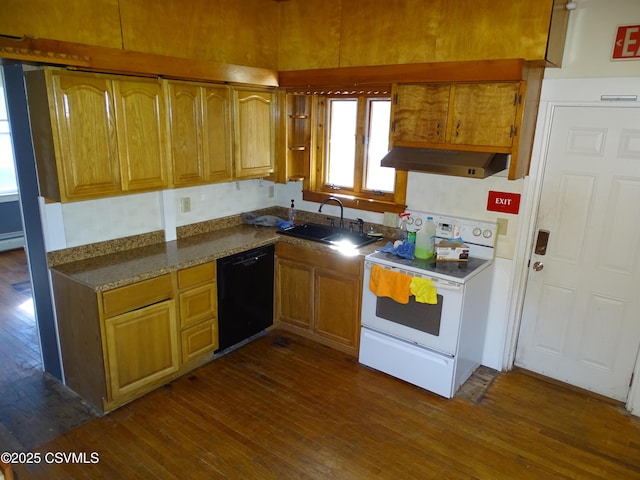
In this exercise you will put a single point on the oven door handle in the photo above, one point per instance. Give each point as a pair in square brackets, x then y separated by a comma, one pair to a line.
[438, 283]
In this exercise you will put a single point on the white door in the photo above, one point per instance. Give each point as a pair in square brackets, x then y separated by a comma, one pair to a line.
[581, 317]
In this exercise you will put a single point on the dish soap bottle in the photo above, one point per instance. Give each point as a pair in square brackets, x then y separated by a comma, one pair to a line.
[426, 240]
[292, 213]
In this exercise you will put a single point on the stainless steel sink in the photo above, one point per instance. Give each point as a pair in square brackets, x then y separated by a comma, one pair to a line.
[329, 235]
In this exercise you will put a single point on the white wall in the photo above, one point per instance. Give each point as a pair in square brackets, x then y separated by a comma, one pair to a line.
[590, 38]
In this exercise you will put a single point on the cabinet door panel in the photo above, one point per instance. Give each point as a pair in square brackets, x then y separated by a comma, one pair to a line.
[140, 116]
[185, 118]
[295, 302]
[198, 304]
[217, 134]
[199, 339]
[337, 307]
[142, 348]
[420, 113]
[87, 140]
[254, 133]
[483, 114]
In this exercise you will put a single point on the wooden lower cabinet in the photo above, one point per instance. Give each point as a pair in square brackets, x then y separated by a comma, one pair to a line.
[120, 344]
[198, 311]
[142, 348]
[318, 295]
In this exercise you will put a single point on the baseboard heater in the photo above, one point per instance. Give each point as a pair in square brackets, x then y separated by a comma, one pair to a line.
[11, 241]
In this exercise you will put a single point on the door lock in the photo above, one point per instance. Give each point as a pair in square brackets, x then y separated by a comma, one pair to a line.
[541, 242]
[537, 266]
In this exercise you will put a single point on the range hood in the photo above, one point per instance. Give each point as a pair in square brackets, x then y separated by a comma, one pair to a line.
[446, 162]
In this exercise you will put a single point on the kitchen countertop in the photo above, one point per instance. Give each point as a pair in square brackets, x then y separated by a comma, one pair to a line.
[114, 270]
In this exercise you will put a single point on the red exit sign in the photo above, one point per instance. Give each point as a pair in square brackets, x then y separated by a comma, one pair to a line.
[504, 202]
[627, 44]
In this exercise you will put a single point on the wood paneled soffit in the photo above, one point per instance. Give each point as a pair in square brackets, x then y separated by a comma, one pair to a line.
[104, 59]
[469, 71]
[112, 60]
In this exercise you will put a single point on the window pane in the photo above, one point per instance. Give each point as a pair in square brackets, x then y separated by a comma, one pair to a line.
[377, 177]
[8, 183]
[342, 142]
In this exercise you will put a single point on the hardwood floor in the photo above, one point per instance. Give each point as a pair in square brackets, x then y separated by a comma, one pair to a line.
[20, 353]
[285, 407]
[34, 407]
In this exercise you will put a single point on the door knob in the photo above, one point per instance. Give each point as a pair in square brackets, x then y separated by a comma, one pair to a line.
[537, 266]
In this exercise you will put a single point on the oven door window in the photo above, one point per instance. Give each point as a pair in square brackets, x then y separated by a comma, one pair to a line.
[420, 316]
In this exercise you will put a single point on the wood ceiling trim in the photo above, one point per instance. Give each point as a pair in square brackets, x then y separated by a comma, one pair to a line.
[103, 59]
[472, 71]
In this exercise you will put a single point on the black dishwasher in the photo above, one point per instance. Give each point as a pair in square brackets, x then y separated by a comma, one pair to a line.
[245, 295]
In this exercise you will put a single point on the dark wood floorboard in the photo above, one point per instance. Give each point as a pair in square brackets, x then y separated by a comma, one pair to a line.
[283, 407]
[34, 407]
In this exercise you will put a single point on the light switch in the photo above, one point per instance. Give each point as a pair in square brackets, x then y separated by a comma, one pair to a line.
[503, 223]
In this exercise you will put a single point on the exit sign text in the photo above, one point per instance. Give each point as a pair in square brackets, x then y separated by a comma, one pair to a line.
[504, 202]
[627, 44]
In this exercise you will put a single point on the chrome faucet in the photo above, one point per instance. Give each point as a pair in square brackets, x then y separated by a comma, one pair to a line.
[337, 200]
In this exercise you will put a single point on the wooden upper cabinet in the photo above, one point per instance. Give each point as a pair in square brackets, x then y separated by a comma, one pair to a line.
[484, 114]
[200, 130]
[82, 131]
[460, 114]
[294, 140]
[420, 113]
[217, 140]
[254, 132]
[96, 135]
[185, 127]
[495, 117]
[140, 122]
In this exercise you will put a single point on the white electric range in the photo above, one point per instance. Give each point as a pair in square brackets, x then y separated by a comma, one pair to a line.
[434, 346]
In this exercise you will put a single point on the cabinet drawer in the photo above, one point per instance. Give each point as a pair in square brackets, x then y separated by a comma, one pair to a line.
[192, 276]
[199, 339]
[200, 303]
[319, 258]
[137, 295]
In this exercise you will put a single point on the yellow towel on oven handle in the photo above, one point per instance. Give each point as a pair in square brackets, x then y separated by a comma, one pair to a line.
[423, 290]
[387, 283]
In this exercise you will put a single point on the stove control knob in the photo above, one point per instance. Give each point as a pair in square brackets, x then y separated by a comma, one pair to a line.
[418, 222]
[476, 232]
[487, 234]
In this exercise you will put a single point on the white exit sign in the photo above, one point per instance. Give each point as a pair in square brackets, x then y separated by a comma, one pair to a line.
[627, 44]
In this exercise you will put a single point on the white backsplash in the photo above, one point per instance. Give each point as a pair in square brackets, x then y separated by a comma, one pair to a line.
[94, 221]
[222, 199]
[464, 197]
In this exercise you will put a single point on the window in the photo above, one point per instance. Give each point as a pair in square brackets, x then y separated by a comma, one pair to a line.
[353, 136]
[8, 184]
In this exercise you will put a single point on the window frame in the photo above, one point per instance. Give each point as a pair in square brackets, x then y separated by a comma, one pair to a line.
[316, 190]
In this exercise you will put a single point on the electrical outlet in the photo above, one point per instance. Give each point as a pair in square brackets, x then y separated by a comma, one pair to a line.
[391, 219]
[271, 191]
[503, 223]
[185, 204]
